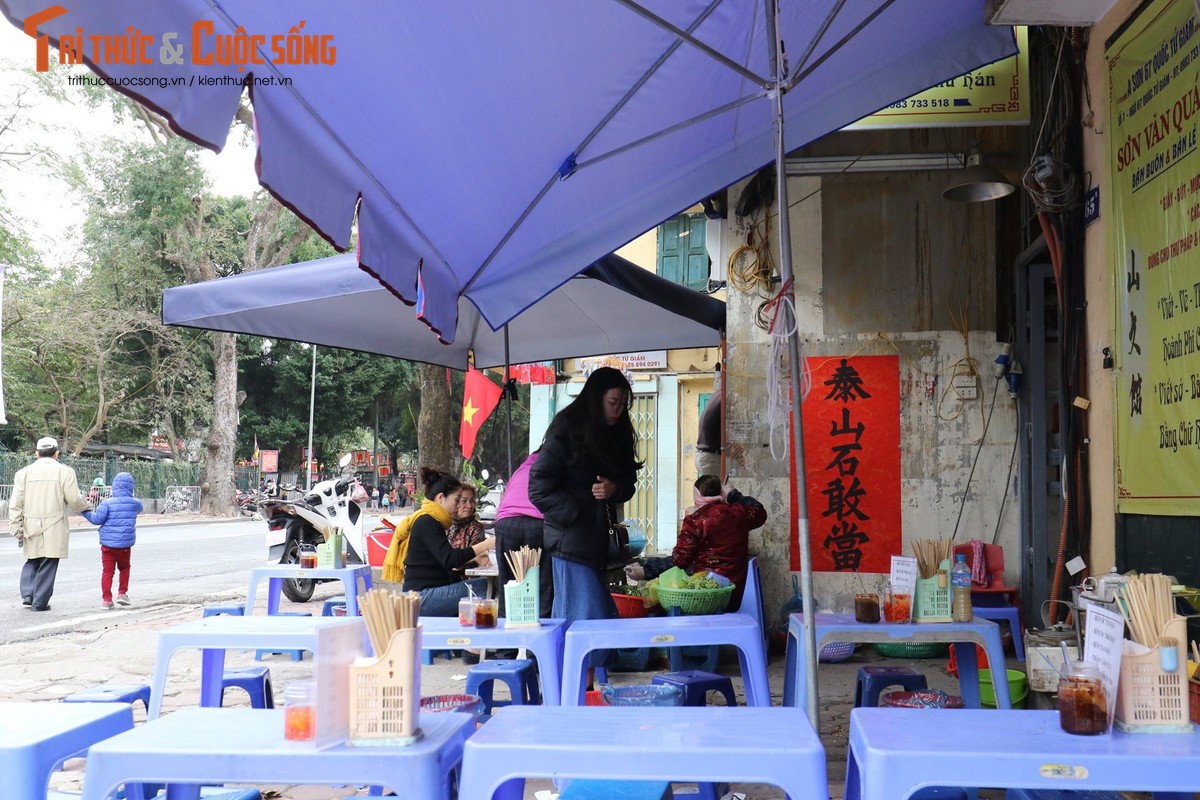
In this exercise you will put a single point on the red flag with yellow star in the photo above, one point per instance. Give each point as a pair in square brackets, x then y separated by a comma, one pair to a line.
[480, 397]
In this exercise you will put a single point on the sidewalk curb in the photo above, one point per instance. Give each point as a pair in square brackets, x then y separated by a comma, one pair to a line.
[6, 531]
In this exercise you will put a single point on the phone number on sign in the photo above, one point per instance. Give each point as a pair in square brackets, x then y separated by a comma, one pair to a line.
[937, 102]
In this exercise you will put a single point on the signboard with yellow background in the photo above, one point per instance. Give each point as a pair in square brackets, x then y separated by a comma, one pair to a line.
[1154, 247]
[997, 94]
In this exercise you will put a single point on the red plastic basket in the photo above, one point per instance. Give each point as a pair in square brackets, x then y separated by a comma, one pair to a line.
[628, 606]
[1194, 700]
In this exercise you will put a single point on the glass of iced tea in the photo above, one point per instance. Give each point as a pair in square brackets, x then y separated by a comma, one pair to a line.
[308, 556]
[486, 612]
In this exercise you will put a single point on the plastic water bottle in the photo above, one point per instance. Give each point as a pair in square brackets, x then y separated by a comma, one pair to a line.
[960, 583]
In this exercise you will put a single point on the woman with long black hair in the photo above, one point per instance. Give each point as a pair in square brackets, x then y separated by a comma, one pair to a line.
[585, 471]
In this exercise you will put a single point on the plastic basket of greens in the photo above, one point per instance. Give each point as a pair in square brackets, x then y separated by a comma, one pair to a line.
[702, 593]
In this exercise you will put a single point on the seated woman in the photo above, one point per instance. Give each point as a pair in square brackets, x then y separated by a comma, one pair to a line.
[715, 537]
[430, 562]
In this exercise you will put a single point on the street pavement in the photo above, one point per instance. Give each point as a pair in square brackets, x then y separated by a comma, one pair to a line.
[80, 646]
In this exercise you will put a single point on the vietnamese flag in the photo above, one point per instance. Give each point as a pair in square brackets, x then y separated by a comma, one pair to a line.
[480, 397]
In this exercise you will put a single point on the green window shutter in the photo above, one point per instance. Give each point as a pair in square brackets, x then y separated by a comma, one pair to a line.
[682, 257]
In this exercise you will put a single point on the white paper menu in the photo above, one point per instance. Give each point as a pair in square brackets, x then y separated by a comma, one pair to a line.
[904, 574]
[1103, 642]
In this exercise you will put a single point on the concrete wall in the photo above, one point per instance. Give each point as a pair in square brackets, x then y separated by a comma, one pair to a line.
[1101, 331]
[883, 265]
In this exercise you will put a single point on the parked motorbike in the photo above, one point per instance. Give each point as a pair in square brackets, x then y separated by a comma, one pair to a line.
[291, 523]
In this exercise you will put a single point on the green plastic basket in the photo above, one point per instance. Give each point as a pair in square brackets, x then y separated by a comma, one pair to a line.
[911, 649]
[695, 601]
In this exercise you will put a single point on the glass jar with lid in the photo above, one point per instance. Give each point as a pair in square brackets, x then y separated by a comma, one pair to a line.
[1082, 702]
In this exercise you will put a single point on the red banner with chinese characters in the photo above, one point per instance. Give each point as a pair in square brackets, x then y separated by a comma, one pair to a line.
[852, 459]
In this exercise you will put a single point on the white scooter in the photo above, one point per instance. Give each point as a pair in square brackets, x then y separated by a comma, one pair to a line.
[291, 523]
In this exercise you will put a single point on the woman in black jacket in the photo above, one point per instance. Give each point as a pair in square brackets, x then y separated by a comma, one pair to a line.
[430, 563]
[586, 470]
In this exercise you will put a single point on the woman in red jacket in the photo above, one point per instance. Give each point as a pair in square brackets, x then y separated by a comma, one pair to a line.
[714, 538]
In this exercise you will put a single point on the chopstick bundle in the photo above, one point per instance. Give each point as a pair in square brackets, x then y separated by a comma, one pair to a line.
[386, 612]
[1147, 605]
[930, 553]
[520, 561]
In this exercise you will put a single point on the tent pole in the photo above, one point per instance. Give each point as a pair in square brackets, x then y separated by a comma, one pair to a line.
[508, 401]
[312, 404]
[779, 73]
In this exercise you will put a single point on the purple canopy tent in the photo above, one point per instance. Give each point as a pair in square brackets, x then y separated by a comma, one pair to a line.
[499, 148]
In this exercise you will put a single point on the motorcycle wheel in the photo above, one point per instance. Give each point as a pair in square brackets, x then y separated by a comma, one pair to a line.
[298, 591]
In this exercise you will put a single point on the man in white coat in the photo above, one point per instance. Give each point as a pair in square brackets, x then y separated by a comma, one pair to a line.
[44, 493]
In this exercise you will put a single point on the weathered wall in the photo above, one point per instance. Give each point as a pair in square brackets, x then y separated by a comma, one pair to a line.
[1098, 276]
[884, 265]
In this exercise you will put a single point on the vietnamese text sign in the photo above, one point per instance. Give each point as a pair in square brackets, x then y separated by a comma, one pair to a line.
[268, 461]
[997, 94]
[1153, 112]
[852, 460]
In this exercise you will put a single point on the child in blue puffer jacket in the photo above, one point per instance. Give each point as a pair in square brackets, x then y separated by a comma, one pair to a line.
[117, 518]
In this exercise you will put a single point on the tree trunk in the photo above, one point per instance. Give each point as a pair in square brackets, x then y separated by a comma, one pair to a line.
[219, 498]
[435, 445]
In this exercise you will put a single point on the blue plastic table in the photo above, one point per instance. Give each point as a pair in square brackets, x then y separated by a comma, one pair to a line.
[843, 628]
[545, 641]
[895, 751]
[37, 737]
[713, 745]
[355, 579]
[740, 630]
[215, 635]
[195, 746]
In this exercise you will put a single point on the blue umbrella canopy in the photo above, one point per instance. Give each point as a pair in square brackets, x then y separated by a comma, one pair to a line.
[499, 148]
[613, 306]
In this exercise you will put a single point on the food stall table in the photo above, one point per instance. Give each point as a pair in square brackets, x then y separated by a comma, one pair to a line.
[739, 630]
[896, 751]
[709, 745]
[196, 746]
[355, 579]
[215, 635]
[843, 628]
[544, 640]
[37, 737]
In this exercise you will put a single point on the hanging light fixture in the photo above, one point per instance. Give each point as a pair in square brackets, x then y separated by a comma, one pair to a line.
[977, 183]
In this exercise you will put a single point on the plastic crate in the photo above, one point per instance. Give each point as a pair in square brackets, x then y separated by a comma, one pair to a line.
[522, 600]
[1150, 700]
[695, 601]
[911, 649]
[629, 606]
[385, 694]
[932, 602]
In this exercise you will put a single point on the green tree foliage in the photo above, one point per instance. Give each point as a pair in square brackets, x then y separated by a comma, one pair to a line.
[276, 377]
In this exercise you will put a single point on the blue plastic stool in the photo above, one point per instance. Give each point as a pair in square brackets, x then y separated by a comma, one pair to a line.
[1001, 613]
[233, 610]
[254, 681]
[516, 673]
[297, 655]
[113, 693]
[427, 656]
[616, 790]
[327, 609]
[697, 684]
[1065, 794]
[873, 680]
